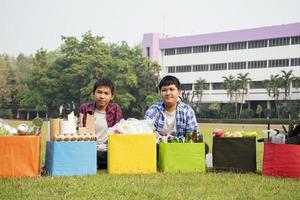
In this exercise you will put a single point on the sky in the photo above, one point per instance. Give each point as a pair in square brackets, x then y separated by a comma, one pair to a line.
[27, 25]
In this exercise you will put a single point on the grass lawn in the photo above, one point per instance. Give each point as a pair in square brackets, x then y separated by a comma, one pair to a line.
[207, 185]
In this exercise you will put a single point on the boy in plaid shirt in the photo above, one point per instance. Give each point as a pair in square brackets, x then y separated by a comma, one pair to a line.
[171, 116]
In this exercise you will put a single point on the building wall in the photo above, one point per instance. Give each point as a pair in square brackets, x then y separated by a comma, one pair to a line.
[254, 54]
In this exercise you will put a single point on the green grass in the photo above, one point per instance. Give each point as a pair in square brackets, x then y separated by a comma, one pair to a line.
[173, 186]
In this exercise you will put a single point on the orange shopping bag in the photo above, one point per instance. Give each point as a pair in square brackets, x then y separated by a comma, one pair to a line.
[19, 156]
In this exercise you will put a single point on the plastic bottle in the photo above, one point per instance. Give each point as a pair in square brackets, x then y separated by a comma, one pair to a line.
[200, 138]
[188, 138]
[194, 136]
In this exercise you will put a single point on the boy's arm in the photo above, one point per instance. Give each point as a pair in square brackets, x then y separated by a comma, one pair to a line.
[151, 113]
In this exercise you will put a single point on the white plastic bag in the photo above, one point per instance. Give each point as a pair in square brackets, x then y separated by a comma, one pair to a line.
[133, 126]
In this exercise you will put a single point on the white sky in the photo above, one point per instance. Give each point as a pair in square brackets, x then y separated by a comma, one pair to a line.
[27, 25]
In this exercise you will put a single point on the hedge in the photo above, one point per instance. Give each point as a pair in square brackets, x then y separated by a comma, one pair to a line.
[246, 121]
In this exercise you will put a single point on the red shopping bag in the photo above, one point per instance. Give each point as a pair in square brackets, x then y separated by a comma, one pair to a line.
[281, 160]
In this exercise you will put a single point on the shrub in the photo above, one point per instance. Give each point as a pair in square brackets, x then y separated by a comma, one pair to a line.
[6, 114]
[269, 113]
[247, 113]
[228, 111]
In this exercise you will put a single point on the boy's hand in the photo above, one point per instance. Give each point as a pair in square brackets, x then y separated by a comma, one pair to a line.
[164, 133]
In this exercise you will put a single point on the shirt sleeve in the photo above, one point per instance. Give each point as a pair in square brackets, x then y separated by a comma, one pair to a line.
[151, 113]
[119, 114]
[191, 120]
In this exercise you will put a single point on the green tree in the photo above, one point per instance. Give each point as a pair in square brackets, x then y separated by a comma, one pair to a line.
[243, 81]
[232, 86]
[259, 110]
[24, 66]
[10, 84]
[200, 86]
[287, 79]
[66, 77]
[215, 108]
[187, 96]
[228, 111]
[273, 86]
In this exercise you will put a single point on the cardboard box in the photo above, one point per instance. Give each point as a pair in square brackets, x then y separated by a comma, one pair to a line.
[19, 156]
[182, 157]
[234, 154]
[132, 153]
[71, 158]
[281, 160]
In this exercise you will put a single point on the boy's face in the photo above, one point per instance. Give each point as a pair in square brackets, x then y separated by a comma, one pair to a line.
[102, 96]
[169, 94]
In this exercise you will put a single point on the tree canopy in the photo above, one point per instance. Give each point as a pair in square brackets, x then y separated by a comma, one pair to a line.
[65, 77]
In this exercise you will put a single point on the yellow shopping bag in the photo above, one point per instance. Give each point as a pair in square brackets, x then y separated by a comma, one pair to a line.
[131, 153]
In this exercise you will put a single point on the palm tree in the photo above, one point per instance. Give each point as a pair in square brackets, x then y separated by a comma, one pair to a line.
[287, 78]
[273, 85]
[243, 81]
[200, 86]
[232, 87]
[187, 97]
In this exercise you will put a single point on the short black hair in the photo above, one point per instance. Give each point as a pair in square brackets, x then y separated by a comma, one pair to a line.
[169, 80]
[104, 82]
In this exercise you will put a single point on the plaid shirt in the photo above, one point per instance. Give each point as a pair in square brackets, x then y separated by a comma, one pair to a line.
[185, 117]
[113, 112]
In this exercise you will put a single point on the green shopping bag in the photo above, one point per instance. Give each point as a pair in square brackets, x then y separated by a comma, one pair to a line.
[182, 157]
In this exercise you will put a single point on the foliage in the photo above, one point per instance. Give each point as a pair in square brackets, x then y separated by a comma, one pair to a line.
[232, 85]
[204, 111]
[247, 113]
[243, 82]
[269, 113]
[10, 84]
[290, 109]
[228, 111]
[65, 77]
[287, 79]
[273, 86]
[259, 110]
[215, 108]
[200, 86]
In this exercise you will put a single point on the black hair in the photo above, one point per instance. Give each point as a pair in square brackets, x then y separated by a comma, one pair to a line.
[169, 80]
[104, 82]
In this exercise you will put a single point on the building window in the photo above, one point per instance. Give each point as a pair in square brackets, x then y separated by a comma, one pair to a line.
[257, 85]
[218, 66]
[279, 41]
[171, 69]
[217, 86]
[201, 49]
[184, 50]
[257, 44]
[148, 52]
[185, 87]
[257, 64]
[218, 47]
[205, 86]
[295, 62]
[184, 68]
[296, 84]
[237, 65]
[237, 45]
[169, 52]
[279, 63]
[296, 40]
[199, 68]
